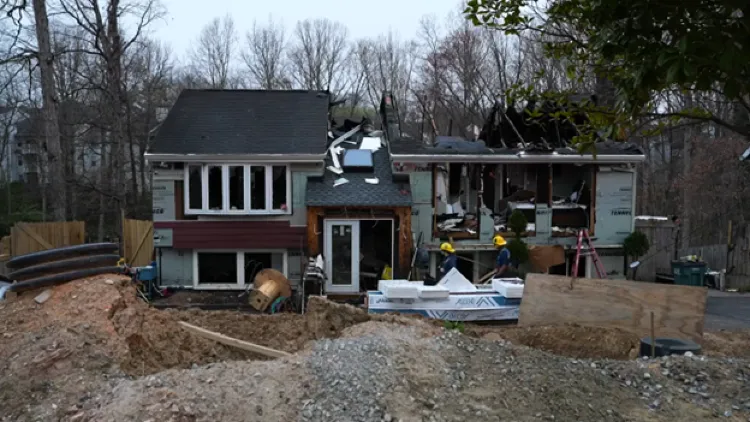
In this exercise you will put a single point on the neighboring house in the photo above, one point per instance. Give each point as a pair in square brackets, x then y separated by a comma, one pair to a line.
[245, 180]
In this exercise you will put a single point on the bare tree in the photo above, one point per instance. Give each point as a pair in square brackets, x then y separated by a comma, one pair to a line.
[387, 65]
[264, 56]
[54, 155]
[214, 54]
[105, 42]
[319, 55]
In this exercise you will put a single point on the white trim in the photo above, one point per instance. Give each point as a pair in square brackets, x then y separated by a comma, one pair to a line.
[234, 158]
[519, 158]
[268, 173]
[353, 287]
[356, 237]
[240, 262]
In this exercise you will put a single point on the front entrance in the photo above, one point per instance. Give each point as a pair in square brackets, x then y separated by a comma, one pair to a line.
[356, 253]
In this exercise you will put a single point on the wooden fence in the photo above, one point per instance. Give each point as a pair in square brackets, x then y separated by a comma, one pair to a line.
[658, 259]
[138, 242]
[34, 237]
[735, 259]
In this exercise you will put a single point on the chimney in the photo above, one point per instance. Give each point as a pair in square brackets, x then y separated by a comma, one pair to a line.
[389, 115]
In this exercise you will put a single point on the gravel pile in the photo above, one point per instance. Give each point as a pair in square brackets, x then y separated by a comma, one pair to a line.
[389, 372]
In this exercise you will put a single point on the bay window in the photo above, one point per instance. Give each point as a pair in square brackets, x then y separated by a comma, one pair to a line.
[237, 189]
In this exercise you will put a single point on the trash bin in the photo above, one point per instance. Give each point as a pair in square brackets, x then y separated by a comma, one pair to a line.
[689, 273]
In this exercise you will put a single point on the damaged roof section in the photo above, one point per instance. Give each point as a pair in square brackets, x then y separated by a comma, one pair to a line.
[351, 179]
[531, 135]
[244, 122]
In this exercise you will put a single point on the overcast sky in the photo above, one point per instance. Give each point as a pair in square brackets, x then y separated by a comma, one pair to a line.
[364, 19]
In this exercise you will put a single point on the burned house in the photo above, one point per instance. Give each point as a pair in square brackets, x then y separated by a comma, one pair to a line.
[465, 191]
[245, 180]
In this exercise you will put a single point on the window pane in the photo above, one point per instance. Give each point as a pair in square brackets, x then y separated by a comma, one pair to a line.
[215, 194]
[195, 188]
[236, 188]
[279, 188]
[258, 187]
[217, 267]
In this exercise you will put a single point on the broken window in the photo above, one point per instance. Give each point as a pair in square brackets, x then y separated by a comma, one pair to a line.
[572, 201]
[258, 187]
[278, 191]
[215, 188]
[217, 268]
[457, 200]
[236, 187]
[513, 187]
[195, 187]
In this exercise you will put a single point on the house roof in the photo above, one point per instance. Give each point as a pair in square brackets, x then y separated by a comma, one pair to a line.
[244, 122]
[388, 192]
[458, 150]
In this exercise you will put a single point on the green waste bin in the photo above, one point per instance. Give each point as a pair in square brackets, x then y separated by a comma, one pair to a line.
[689, 273]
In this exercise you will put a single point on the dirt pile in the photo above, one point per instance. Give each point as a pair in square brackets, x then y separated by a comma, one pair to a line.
[568, 340]
[383, 371]
[88, 330]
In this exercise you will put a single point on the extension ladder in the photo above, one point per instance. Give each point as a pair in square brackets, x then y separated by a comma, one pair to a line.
[587, 250]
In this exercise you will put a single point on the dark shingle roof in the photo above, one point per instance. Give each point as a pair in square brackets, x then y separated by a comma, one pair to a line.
[245, 122]
[602, 148]
[387, 193]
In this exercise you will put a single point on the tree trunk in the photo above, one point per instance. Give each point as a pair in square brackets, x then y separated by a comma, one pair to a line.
[51, 123]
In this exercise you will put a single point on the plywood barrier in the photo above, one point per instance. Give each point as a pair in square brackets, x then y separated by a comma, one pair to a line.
[26, 238]
[554, 300]
[138, 237]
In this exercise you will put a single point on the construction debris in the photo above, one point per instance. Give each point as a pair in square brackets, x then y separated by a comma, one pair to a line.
[96, 352]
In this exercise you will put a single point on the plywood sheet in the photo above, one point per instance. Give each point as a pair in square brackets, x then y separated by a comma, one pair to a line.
[554, 300]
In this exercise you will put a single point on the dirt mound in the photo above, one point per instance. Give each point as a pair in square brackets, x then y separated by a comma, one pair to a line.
[392, 372]
[88, 329]
[569, 340]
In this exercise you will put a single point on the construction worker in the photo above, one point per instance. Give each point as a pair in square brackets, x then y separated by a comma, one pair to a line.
[450, 261]
[502, 265]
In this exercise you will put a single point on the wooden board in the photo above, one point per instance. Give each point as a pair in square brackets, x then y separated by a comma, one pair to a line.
[231, 341]
[554, 300]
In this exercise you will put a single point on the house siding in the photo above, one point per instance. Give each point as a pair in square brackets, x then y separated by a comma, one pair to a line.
[233, 234]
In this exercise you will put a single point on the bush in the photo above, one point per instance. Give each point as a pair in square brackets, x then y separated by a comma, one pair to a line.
[636, 245]
[517, 223]
[519, 251]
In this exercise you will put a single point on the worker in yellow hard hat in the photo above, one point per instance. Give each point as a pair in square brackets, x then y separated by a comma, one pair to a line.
[502, 264]
[450, 261]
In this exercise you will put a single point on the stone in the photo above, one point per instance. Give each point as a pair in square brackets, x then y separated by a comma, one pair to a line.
[43, 297]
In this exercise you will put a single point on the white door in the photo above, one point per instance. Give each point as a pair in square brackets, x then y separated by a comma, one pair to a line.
[342, 256]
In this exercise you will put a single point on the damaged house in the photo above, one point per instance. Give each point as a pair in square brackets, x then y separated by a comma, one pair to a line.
[246, 179]
[466, 191]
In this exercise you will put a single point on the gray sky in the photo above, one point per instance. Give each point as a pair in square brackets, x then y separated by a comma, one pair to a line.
[364, 19]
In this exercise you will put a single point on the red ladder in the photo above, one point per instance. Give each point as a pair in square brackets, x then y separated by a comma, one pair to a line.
[588, 251]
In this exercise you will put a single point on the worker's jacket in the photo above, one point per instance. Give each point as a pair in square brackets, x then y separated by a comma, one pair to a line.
[450, 262]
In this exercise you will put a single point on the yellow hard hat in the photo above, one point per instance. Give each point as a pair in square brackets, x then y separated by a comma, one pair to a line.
[499, 241]
[447, 247]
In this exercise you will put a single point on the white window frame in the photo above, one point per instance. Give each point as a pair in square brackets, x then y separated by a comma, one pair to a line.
[240, 262]
[247, 169]
[356, 233]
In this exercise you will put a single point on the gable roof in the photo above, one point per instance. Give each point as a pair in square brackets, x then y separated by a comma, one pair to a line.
[244, 122]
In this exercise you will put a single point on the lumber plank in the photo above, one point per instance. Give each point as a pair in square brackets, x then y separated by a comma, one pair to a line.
[231, 341]
[554, 300]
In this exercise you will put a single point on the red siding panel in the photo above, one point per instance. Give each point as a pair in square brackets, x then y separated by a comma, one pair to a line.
[234, 234]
